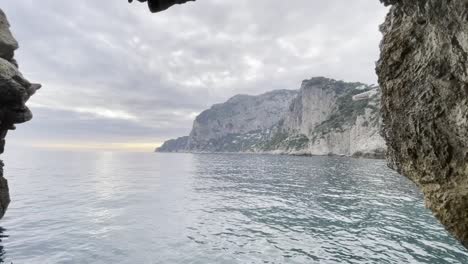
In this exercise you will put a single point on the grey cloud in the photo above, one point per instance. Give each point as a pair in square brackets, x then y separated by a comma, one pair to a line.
[162, 68]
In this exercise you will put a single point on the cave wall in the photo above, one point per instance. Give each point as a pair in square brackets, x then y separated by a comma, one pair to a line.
[15, 90]
[423, 73]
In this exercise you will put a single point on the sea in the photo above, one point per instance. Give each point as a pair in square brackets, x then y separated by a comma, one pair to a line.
[138, 208]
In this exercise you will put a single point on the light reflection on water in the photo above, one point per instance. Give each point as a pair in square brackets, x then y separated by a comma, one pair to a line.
[183, 208]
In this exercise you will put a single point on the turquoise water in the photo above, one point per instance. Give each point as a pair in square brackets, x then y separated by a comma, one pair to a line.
[182, 208]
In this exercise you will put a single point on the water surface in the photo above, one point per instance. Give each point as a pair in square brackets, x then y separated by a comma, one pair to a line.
[139, 208]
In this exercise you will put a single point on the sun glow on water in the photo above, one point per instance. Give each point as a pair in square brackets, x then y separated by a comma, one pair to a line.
[94, 146]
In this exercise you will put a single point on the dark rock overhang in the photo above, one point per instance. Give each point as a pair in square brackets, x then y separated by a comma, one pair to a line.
[161, 5]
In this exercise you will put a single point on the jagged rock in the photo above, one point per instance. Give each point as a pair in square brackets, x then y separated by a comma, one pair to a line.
[4, 192]
[423, 72]
[389, 2]
[15, 90]
[8, 43]
[161, 5]
[320, 119]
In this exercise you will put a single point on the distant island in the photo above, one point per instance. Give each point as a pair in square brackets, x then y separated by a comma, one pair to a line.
[323, 117]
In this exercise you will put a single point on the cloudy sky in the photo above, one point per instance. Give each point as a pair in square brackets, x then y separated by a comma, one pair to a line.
[116, 76]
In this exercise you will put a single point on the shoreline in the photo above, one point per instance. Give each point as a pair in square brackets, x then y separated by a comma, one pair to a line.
[370, 156]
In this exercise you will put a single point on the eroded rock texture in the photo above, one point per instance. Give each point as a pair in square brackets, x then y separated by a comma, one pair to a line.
[423, 75]
[14, 92]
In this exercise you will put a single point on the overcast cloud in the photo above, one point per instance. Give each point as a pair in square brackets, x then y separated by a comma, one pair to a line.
[115, 73]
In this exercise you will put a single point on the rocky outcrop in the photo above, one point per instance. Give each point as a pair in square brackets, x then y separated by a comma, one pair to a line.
[214, 129]
[423, 72]
[325, 117]
[175, 145]
[161, 5]
[238, 125]
[14, 92]
[337, 118]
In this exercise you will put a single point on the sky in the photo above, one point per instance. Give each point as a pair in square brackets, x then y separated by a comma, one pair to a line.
[116, 77]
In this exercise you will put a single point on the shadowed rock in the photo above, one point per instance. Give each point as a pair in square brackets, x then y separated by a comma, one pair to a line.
[161, 5]
[4, 192]
[8, 44]
[15, 90]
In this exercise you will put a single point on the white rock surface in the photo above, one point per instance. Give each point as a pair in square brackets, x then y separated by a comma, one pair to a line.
[321, 118]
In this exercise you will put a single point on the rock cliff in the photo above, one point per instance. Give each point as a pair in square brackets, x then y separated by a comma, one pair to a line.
[14, 92]
[324, 117]
[222, 127]
[423, 72]
[337, 118]
[175, 145]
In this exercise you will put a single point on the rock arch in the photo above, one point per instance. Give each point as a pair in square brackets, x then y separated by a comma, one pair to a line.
[423, 72]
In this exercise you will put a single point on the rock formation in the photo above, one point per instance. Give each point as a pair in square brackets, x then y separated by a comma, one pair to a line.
[423, 76]
[14, 92]
[237, 125]
[222, 128]
[161, 5]
[337, 118]
[324, 117]
[423, 72]
[175, 145]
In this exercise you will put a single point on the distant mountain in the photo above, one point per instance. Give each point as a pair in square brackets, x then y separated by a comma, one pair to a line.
[174, 145]
[324, 117]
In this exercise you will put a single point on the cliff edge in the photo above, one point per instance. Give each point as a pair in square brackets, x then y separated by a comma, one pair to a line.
[15, 90]
[323, 117]
[423, 72]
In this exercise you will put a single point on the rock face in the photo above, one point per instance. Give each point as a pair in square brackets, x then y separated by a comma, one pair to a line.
[14, 92]
[423, 72]
[175, 145]
[214, 129]
[161, 5]
[336, 117]
[324, 117]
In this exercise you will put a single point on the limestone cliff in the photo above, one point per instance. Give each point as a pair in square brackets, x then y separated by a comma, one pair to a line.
[14, 92]
[222, 128]
[324, 117]
[423, 72]
[332, 117]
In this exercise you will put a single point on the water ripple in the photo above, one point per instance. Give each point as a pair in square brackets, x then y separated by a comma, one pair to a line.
[161, 208]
